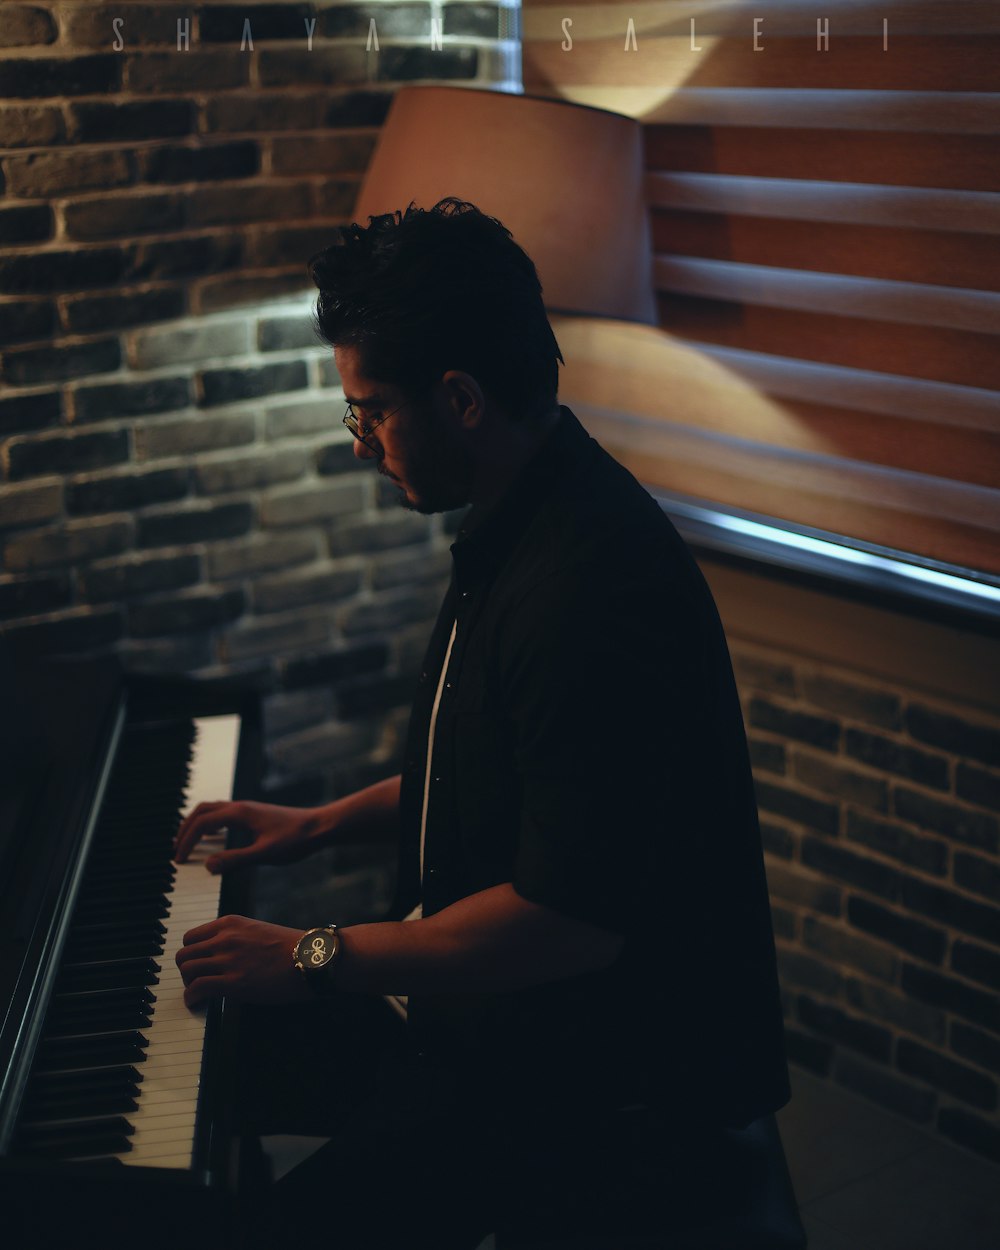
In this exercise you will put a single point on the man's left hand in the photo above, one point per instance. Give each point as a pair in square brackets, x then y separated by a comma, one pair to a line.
[245, 959]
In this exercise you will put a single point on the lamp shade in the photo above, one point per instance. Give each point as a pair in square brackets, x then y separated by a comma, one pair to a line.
[566, 180]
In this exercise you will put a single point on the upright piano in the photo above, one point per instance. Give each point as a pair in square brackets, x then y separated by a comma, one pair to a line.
[116, 1117]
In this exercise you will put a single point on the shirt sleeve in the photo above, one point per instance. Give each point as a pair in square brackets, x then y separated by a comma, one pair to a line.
[599, 690]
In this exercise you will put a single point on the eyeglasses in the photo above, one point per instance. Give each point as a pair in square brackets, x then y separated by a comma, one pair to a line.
[354, 425]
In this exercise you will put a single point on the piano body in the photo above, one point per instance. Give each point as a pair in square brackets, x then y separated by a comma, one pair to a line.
[116, 1117]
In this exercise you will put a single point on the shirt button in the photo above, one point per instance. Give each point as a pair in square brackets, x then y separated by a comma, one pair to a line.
[466, 594]
[431, 872]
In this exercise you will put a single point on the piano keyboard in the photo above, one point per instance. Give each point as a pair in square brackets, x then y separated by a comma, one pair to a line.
[118, 1067]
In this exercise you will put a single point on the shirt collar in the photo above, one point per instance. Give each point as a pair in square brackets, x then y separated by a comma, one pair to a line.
[484, 541]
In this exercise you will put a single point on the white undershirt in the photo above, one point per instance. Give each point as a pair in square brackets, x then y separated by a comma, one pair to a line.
[398, 1002]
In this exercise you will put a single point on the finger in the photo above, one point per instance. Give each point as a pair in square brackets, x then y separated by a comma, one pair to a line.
[192, 969]
[205, 989]
[207, 818]
[201, 932]
[226, 860]
[197, 811]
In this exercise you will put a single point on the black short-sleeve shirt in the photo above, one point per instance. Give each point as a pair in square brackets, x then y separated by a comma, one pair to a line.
[589, 748]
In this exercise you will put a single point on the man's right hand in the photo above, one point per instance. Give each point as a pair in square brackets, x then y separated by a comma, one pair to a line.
[279, 835]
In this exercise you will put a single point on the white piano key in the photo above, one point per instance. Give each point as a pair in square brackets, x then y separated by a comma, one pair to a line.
[168, 1095]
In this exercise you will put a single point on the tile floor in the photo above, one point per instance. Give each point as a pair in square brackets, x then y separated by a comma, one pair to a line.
[864, 1178]
[867, 1180]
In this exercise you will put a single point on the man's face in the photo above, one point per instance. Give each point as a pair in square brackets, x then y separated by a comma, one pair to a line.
[422, 452]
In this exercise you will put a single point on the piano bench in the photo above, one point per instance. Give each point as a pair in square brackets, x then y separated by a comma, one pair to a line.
[742, 1199]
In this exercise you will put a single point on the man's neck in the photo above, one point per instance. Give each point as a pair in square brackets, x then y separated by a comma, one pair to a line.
[506, 449]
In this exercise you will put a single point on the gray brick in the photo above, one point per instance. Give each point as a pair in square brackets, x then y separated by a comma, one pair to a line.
[62, 272]
[277, 334]
[902, 1097]
[896, 1010]
[940, 990]
[213, 162]
[130, 399]
[977, 785]
[976, 962]
[110, 121]
[796, 886]
[32, 596]
[784, 922]
[961, 824]
[973, 1044]
[898, 843]
[204, 433]
[49, 77]
[364, 696]
[818, 731]
[337, 458]
[893, 757]
[123, 492]
[302, 506]
[25, 24]
[303, 416]
[122, 216]
[105, 312]
[801, 971]
[31, 125]
[232, 203]
[388, 610]
[21, 414]
[323, 746]
[193, 256]
[259, 555]
[79, 540]
[287, 245]
[214, 477]
[26, 319]
[346, 154]
[329, 667]
[968, 738]
[777, 840]
[60, 362]
[139, 575]
[88, 26]
[477, 21]
[356, 108]
[41, 175]
[164, 72]
[270, 638]
[30, 223]
[224, 386]
[412, 64]
[971, 1131]
[981, 876]
[224, 293]
[945, 1074]
[224, 24]
[859, 870]
[951, 908]
[800, 808]
[286, 712]
[28, 505]
[335, 198]
[864, 703]
[183, 613]
[328, 586]
[265, 112]
[172, 345]
[341, 65]
[767, 756]
[842, 783]
[199, 523]
[839, 1026]
[846, 947]
[328, 375]
[904, 932]
[78, 630]
[755, 672]
[392, 569]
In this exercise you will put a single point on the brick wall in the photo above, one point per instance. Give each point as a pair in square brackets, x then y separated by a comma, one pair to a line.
[175, 481]
[879, 814]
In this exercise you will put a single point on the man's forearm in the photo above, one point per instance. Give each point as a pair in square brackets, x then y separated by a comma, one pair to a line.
[369, 815]
[493, 941]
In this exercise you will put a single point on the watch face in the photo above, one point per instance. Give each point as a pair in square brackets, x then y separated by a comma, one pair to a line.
[316, 949]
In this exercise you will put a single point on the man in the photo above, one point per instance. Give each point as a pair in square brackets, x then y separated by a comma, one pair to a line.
[586, 959]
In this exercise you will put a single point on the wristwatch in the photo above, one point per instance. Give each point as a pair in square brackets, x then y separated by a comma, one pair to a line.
[313, 953]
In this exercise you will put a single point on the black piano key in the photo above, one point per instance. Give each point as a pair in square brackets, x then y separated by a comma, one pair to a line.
[108, 975]
[80, 1104]
[87, 1078]
[123, 1019]
[64, 1054]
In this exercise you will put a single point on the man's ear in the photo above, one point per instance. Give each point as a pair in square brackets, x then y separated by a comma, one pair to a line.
[465, 398]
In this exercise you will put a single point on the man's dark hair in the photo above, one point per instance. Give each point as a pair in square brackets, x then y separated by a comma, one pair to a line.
[429, 290]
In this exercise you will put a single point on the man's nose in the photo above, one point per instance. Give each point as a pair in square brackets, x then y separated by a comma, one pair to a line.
[362, 450]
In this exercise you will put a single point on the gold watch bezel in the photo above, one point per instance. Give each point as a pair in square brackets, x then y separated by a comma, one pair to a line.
[297, 958]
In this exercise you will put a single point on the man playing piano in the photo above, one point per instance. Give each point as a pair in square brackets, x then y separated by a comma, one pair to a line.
[582, 948]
